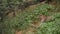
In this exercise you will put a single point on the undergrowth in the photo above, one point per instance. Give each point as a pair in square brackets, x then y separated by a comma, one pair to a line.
[23, 20]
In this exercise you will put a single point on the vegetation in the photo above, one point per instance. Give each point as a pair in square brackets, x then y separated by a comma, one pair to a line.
[26, 17]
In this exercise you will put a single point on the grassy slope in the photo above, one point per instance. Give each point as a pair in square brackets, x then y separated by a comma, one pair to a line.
[23, 20]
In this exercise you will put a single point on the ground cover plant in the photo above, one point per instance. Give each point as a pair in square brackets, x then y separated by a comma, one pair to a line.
[42, 18]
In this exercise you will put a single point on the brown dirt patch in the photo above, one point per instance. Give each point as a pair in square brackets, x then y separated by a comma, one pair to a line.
[18, 32]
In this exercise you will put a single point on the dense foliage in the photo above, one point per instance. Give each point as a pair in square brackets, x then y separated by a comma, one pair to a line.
[23, 20]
